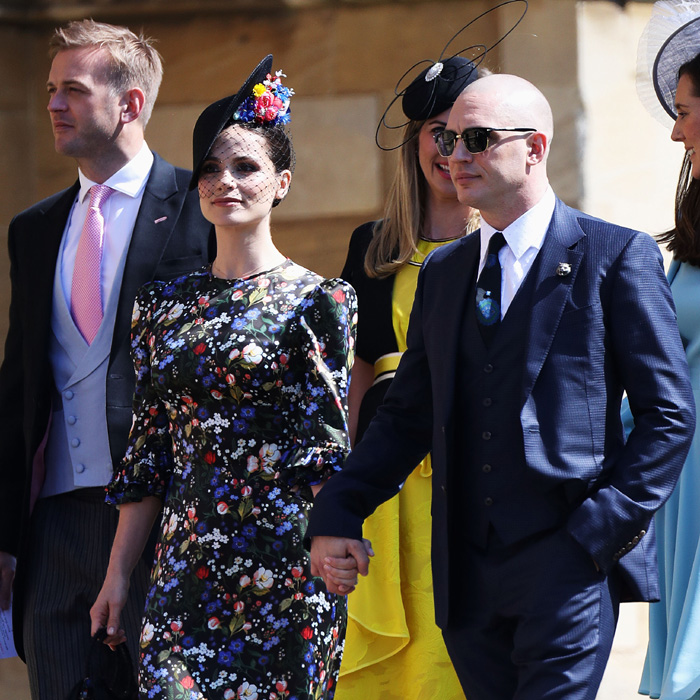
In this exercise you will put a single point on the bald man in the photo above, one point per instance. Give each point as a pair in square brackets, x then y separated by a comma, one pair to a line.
[522, 340]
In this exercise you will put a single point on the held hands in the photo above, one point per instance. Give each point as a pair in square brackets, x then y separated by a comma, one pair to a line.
[106, 611]
[339, 560]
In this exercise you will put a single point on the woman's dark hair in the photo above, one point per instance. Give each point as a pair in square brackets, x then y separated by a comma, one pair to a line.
[683, 240]
[279, 146]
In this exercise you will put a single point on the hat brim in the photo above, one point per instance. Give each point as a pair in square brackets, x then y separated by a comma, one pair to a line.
[682, 46]
[216, 117]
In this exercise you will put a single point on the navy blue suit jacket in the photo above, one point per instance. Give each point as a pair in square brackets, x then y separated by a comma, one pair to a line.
[170, 238]
[605, 327]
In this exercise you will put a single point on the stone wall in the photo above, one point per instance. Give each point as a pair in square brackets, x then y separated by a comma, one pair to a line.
[343, 60]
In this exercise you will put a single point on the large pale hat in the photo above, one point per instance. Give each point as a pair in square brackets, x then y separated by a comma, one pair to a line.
[670, 39]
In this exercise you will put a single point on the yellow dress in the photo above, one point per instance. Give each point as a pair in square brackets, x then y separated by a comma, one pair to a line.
[393, 648]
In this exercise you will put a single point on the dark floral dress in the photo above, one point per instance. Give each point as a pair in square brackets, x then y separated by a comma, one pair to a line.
[240, 407]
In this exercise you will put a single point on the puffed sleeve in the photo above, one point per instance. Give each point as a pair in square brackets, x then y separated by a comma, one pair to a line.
[325, 334]
[147, 465]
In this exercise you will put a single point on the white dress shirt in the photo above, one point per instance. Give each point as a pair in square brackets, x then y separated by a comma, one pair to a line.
[524, 238]
[120, 212]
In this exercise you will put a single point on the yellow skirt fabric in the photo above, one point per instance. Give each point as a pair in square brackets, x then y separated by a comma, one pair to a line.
[393, 648]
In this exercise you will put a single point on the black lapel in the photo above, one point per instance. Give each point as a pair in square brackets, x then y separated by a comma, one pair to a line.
[452, 292]
[45, 241]
[159, 212]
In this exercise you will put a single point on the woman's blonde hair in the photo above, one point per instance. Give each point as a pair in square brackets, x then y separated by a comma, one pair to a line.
[396, 235]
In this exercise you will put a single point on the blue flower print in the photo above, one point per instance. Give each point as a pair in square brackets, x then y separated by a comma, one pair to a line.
[225, 658]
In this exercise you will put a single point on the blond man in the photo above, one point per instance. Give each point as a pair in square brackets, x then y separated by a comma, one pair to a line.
[66, 382]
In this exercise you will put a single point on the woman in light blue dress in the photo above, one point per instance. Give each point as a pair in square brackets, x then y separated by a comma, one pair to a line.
[672, 666]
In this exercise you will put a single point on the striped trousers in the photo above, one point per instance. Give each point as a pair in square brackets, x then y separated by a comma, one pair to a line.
[70, 541]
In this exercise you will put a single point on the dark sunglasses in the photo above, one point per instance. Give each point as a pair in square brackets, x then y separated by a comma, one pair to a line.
[475, 140]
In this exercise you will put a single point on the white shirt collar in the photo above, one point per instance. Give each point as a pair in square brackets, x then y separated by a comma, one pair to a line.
[129, 180]
[527, 231]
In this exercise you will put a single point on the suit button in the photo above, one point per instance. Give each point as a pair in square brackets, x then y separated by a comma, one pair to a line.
[642, 533]
[75, 442]
[635, 540]
[68, 394]
[71, 420]
[486, 468]
[444, 490]
[486, 435]
[80, 468]
[486, 402]
[488, 501]
[488, 368]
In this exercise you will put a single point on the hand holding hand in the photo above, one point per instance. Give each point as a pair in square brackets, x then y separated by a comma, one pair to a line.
[344, 572]
[339, 560]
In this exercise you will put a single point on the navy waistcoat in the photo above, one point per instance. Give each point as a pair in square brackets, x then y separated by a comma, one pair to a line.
[492, 486]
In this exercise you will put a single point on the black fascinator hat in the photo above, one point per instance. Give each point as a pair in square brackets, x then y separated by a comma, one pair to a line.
[425, 91]
[437, 87]
[261, 99]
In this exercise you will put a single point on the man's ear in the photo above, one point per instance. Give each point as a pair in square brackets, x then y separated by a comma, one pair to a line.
[132, 103]
[538, 148]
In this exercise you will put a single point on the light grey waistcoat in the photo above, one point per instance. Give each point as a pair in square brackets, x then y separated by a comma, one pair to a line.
[77, 451]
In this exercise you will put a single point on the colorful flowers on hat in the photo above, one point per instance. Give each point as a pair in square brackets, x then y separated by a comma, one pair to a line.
[269, 103]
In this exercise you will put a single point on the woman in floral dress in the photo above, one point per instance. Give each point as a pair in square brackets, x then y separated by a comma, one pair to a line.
[240, 415]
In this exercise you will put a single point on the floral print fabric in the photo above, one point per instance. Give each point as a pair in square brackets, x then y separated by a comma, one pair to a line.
[240, 407]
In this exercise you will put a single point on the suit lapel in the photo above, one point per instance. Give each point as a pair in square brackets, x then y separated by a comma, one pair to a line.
[47, 239]
[452, 300]
[154, 225]
[552, 288]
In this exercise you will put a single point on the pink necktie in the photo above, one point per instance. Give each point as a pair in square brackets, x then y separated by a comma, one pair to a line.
[86, 291]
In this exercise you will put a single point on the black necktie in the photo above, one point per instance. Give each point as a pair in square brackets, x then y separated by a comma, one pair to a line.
[488, 291]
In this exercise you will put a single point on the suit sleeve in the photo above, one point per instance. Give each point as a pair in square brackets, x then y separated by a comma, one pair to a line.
[648, 355]
[12, 472]
[397, 439]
